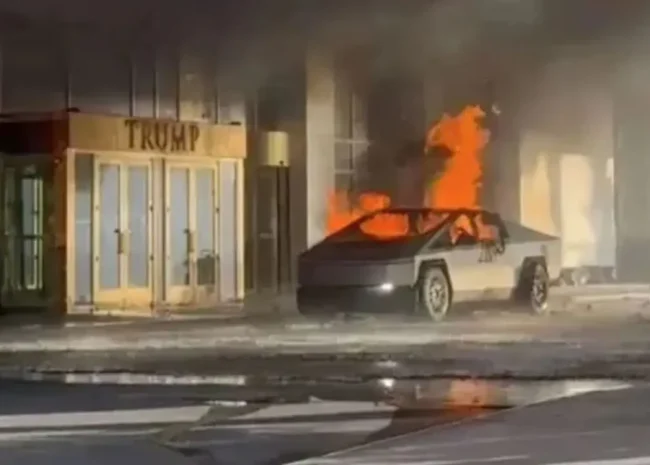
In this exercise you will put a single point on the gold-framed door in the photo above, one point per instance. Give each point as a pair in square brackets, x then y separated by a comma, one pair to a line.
[123, 232]
[191, 231]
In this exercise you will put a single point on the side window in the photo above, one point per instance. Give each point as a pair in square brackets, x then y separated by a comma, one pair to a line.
[462, 232]
[488, 229]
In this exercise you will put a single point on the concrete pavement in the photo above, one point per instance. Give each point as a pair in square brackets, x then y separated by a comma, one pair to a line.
[76, 425]
[605, 428]
[294, 333]
[42, 423]
[585, 342]
[494, 347]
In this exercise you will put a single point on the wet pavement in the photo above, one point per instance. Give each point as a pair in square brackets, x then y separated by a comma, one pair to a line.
[600, 428]
[582, 344]
[50, 423]
[279, 391]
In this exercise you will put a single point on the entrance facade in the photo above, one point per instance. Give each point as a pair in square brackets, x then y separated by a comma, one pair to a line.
[27, 245]
[143, 215]
[191, 230]
[122, 242]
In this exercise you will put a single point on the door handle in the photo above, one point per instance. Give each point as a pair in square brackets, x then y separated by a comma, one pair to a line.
[122, 242]
[191, 241]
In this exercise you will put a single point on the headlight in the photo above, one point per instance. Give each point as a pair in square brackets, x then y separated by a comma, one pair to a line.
[387, 287]
[387, 383]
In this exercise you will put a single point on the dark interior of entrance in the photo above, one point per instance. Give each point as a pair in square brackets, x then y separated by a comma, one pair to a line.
[27, 245]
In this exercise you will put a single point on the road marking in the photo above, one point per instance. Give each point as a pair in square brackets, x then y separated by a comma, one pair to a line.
[103, 418]
[629, 461]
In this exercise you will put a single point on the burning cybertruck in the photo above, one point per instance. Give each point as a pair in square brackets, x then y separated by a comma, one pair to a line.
[421, 261]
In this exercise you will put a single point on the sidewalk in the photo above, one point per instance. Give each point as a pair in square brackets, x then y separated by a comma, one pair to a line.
[254, 309]
[274, 324]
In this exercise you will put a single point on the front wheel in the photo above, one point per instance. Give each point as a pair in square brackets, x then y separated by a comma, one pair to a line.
[435, 294]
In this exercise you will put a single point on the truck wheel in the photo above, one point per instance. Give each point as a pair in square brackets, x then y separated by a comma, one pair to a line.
[435, 294]
[536, 289]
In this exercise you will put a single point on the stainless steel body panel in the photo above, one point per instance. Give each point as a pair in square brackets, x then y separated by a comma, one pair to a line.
[477, 272]
[342, 273]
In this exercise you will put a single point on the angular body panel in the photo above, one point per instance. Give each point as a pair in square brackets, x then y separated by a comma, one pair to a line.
[361, 269]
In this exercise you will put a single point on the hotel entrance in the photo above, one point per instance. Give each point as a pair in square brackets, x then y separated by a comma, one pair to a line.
[122, 240]
[191, 231]
[121, 214]
[27, 241]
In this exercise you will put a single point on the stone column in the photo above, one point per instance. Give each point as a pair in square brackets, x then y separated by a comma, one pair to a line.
[318, 163]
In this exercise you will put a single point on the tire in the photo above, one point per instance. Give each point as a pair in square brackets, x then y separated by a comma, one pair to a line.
[434, 294]
[535, 289]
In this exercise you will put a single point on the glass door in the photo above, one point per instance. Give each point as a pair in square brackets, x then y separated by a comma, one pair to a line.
[190, 232]
[26, 199]
[122, 236]
[205, 206]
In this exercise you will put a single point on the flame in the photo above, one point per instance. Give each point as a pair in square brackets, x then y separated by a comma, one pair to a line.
[386, 226]
[341, 212]
[458, 187]
[429, 222]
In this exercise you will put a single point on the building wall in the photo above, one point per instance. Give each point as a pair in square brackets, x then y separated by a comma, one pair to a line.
[43, 69]
[566, 159]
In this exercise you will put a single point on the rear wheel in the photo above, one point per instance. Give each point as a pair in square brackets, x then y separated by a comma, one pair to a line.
[435, 294]
[535, 289]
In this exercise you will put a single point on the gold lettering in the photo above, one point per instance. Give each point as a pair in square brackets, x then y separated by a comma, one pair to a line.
[131, 125]
[161, 136]
[177, 138]
[146, 142]
[194, 136]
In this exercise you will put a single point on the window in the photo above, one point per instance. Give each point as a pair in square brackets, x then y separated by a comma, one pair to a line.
[351, 140]
[393, 225]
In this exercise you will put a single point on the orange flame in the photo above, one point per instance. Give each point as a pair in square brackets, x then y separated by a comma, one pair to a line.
[457, 188]
[459, 185]
[341, 212]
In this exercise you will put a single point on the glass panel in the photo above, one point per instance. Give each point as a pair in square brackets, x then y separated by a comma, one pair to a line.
[109, 219]
[228, 229]
[83, 228]
[205, 217]
[343, 182]
[343, 156]
[32, 230]
[23, 230]
[179, 179]
[138, 226]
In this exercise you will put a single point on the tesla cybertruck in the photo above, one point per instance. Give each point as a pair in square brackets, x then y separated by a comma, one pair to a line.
[423, 261]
